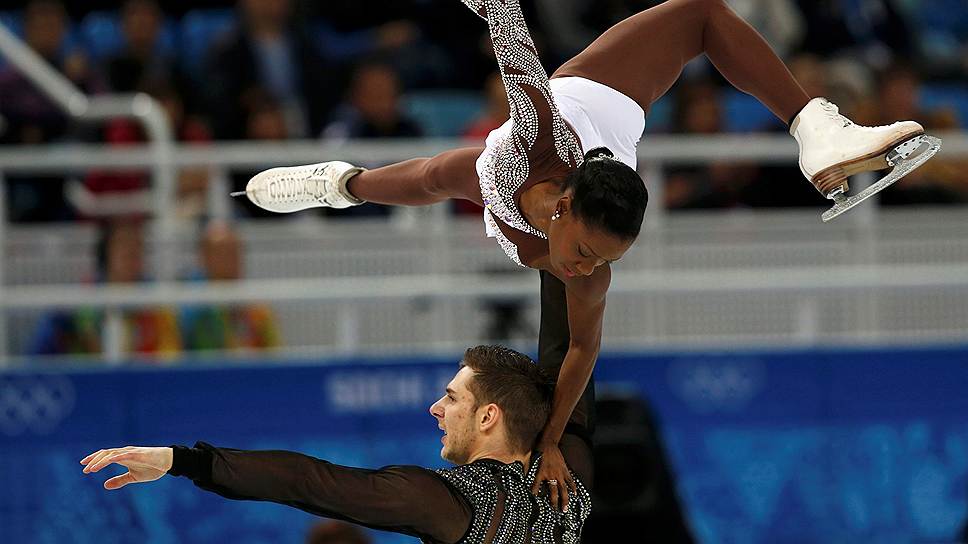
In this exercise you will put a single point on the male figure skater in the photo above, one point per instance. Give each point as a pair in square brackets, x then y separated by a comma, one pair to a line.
[491, 414]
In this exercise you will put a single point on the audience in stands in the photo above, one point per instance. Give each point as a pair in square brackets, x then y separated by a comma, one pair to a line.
[372, 107]
[140, 332]
[270, 52]
[30, 118]
[142, 57]
[220, 327]
[698, 111]
[134, 186]
[281, 72]
[496, 109]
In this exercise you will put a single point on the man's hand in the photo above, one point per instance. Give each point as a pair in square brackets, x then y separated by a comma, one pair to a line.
[143, 464]
[554, 473]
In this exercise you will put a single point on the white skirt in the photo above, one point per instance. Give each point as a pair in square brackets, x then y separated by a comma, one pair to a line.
[600, 116]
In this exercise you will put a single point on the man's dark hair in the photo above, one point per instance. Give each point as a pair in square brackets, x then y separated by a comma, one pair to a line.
[516, 384]
[608, 195]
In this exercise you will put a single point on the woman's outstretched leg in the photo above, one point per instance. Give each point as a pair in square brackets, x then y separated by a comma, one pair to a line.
[643, 55]
[337, 184]
[419, 182]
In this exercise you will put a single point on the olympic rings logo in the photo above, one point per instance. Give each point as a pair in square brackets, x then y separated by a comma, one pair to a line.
[715, 385]
[34, 404]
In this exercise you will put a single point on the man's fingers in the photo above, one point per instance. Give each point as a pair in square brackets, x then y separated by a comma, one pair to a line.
[90, 456]
[96, 459]
[113, 457]
[564, 499]
[116, 458]
[119, 481]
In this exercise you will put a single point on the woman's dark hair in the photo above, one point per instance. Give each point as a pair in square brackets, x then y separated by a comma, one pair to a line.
[608, 194]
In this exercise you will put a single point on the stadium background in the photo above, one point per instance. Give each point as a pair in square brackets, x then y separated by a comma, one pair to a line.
[808, 380]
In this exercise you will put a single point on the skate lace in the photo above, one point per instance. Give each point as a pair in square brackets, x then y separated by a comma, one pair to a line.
[833, 113]
[294, 189]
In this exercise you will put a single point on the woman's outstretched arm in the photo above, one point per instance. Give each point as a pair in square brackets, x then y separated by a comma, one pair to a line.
[586, 310]
[533, 112]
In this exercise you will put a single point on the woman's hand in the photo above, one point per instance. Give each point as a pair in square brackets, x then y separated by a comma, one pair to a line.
[554, 474]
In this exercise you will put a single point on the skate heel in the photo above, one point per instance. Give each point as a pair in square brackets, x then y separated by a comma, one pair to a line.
[831, 181]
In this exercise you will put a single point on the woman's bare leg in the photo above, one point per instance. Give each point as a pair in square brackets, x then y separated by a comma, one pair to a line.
[643, 55]
[419, 182]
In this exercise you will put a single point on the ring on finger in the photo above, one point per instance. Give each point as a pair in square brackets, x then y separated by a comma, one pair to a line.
[552, 482]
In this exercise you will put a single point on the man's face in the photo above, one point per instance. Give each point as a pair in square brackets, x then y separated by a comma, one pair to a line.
[456, 416]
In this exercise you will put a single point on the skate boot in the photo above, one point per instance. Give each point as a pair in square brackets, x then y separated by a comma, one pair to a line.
[290, 189]
[832, 148]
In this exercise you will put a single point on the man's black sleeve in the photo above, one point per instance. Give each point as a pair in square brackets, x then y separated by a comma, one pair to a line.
[404, 499]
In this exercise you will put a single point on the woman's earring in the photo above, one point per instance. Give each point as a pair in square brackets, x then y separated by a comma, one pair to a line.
[556, 216]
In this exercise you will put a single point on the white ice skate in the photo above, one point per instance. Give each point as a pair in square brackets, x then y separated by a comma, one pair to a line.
[832, 148]
[290, 189]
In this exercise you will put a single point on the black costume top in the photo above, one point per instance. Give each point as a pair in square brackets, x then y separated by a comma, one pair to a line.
[484, 502]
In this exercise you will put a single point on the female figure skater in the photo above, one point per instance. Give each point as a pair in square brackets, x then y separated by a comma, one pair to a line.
[558, 180]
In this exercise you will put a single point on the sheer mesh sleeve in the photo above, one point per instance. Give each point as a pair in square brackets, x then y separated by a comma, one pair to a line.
[533, 111]
[404, 499]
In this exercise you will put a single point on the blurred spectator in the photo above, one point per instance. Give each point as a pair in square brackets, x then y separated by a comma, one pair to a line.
[783, 185]
[120, 259]
[143, 60]
[699, 110]
[30, 118]
[496, 109]
[235, 327]
[135, 186]
[940, 181]
[372, 108]
[496, 112]
[574, 24]
[268, 53]
[871, 28]
[336, 532]
[265, 120]
[410, 35]
[779, 21]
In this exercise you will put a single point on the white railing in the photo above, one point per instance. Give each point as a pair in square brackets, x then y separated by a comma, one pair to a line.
[639, 278]
[648, 274]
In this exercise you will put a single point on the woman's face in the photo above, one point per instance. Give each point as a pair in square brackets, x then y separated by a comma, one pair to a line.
[575, 249]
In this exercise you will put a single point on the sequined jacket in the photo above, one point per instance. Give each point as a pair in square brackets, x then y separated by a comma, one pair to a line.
[535, 144]
[485, 502]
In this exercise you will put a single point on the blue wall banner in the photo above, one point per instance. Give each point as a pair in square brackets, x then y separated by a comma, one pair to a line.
[838, 445]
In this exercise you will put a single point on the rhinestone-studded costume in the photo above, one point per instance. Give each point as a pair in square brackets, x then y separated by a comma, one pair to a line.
[484, 502]
[505, 511]
[512, 151]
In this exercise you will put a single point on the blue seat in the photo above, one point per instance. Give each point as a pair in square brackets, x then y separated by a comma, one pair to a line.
[102, 35]
[200, 29]
[744, 113]
[443, 113]
[952, 96]
[659, 117]
[13, 21]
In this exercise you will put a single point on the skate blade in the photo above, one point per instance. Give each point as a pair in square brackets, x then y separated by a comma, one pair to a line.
[904, 162]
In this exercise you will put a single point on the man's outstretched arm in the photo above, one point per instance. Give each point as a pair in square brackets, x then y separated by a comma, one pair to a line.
[404, 499]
